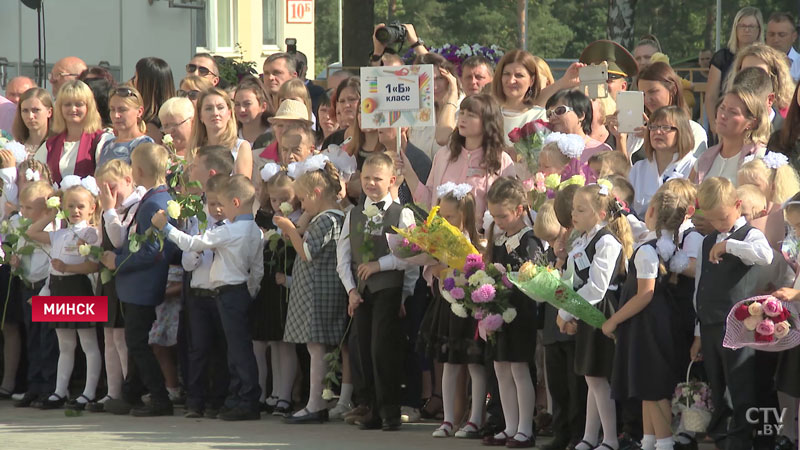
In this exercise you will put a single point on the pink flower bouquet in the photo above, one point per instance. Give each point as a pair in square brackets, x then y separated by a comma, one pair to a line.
[764, 323]
[408, 251]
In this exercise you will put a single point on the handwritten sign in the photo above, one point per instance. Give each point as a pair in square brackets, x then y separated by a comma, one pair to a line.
[397, 96]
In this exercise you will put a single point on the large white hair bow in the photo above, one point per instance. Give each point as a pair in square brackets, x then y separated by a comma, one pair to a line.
[88, 183]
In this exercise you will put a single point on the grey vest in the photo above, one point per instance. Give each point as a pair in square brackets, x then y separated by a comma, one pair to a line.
[380, 247]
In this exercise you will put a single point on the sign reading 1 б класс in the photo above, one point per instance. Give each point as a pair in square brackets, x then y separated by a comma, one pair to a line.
[397, 96]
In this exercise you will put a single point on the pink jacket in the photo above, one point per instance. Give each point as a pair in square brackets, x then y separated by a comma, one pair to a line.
[706, 160]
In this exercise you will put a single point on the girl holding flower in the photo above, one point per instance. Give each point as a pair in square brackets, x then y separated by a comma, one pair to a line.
[513, 346]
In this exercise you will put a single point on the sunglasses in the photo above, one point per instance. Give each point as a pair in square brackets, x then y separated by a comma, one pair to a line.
[124, 92]
[191, 95]
[558, 111]
[203, 71]
[662, 128]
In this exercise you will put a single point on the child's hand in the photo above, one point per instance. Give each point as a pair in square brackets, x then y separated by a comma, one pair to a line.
[402, 313]
[609, 327]
[367, 269]
[694, 350]
[14, 261]
[787, 294]
[159, 219]
[109, 259]
[571, 327]
[106, 197]
[702, 225]
[280, 279]
[283, 223]
[7, 159]
[719, 249]
[59, 265]
[354, 299]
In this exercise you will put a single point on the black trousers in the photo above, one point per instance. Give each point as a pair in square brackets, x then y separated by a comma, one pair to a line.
[415, 306]
[42, 347]
[243, 390]
[144, 372]
[207, 359]
[567, 389]
[734, 370]
[379, 334]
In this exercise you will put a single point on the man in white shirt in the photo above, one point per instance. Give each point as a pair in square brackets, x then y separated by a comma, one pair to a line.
[781, 35]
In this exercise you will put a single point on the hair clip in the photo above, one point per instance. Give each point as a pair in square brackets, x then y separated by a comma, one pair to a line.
[603, 190]
[459, 191]
[32, 175]
[775, 160]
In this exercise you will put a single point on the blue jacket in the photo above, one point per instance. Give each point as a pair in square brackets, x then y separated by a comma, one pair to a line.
[142, 276]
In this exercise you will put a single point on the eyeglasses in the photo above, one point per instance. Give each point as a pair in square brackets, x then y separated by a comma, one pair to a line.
[202, 70]
[747, 27]
[124, 92]
[191, 94]
[558, 111]
[166, 128]
[662, 128]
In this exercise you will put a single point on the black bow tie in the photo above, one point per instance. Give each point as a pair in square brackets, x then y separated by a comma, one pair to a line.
[220, 223]
[380, 204]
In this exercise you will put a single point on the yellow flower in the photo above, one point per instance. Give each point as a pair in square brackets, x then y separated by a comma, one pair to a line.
[606, 183]
[327, 394]
[552, 181]
[580, 180]
[85, 249]
[53, 202]
[173, 209]
[286, 208]
[527, 271]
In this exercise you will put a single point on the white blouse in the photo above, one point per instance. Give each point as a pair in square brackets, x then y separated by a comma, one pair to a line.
[646, 179]
[65, 243]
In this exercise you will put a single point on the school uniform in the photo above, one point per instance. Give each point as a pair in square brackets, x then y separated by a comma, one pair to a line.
[378, 329]
[787, 374]
[234, 276]
[64, 245]
[207, 344]
[716, 291]
[682, 304]
[140, 284]
[593, 264]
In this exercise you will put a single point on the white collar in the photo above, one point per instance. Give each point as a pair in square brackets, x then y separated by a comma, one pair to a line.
[591, 233]
[771, 114]
[387, 201]
[80, 225]
[740, 222]
[135, 196]
[687, 224]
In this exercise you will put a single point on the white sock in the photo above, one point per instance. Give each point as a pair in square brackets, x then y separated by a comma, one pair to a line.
[114, 375]
[94, 361]
[508, 398]
[288, 368]
[649, 442]
[449, 381]
[592, 428]
[477, 374]
[316, 375]
[260, 352]
[122, 349]
[665, 443]
[67, 342]
[526, 398]
[12, 348]
[346, 394]
[606, 408]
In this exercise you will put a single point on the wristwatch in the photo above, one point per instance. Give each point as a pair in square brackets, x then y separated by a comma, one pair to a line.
[417, 44]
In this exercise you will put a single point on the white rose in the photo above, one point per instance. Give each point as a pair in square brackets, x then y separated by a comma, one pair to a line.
[167, 139]
[286, 208]
[459, 310]
[371, 211]
[85, 249]
[509, 315]
[173, 209]
[327, 394]
[134, 246]
[53, 202]
[268, 235]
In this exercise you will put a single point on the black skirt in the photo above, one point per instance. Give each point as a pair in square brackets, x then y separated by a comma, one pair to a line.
[67, 286]
[9, 296]
[116, 317]
[516, 341]
[787, 375]
[594, 352]
[268, 310]
[447, 338]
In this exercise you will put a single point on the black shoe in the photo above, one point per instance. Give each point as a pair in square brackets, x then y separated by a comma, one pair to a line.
[99, 406]
[192, 413]
[26, 400]
[784, 443]
[53, 404]
[282, 409]
[692, 444]
[628, 442]
[373, 423]
[120, 407]
[392, 424]
[5, 394]
[211, 413]
[153, 409]
[309, 417]
[240, 414]
[266, 407]
[557, 443]
[75, 405]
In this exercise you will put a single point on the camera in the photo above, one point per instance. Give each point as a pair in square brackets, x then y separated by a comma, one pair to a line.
[291, 45]
[392, 33]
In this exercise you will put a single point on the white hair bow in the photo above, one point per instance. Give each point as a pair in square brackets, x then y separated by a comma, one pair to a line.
[16, 149]
[312, 163]
[88, 183]
[570, 145]
[269, 170]
[32, 175]
[459, 191]
[345, 163]
[775, 160]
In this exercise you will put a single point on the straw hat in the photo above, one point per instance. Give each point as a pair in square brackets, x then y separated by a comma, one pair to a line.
[291, 110]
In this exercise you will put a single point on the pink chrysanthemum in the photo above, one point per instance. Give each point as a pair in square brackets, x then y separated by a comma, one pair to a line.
[484, 294]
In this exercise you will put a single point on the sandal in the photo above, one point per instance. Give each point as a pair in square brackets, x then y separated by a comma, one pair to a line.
[53, 404]
[74, 404]
[282, 408]
[98, 406]
[466, 433]
[426, 413]
[444, 430]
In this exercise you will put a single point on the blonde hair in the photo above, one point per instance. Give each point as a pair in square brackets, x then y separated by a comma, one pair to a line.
[238, 186]
[134, 101]
[37, 190]
[756, 110]
[751, 195]
[781, 183]
[748, 11]
[782, 83]
[76, 90]
[546, 75]
[80, 190]
[554, 154]
[670, 209]
[607, 106]
[280, 180]
[617, 223]
[35, 165]
[200, 134]
[611, 163]
[466, 207]
[682, 187]
[716, 191]
[196, 83]
[326, 180]
[547, 227]
[18, 129]
[176, 106]
[152, 159]
[510, 192]
[295, 89]
[113, 170]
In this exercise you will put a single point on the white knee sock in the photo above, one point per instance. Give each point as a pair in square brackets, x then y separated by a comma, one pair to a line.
[477, 375]
[67, 342]
[94, 362]
[592, 428]
[649, 442]
[274, 368]
[346, 394]
[260, 352]
[508, 398]
[12, 348]
[665, 443]
[113, 365]
[316, 352]
[449, 381]
[606, 409]
[526, 398]
[122, 350]
[288, 369]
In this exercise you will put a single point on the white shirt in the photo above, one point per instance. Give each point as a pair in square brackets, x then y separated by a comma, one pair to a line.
[238, 252]
[646, 179]
[729, 167]
[9, 195]
[36, 266]
[116, 227]
[344, 254]
[65, 243]
[635, 143]
[601, 271]
[199, 263]
[646, 262]
[638, 229]
[516, 119]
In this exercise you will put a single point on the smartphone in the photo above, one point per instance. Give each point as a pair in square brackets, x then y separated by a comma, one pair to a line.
[630, 110]
[594, 80]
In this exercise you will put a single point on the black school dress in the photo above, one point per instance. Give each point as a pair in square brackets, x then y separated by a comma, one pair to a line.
[516, 341]
[268, 313]
[594, 352]
[447, 338]
[115, 314]
[682, 315]
[644, 360]
[787, 374]
[72, 284]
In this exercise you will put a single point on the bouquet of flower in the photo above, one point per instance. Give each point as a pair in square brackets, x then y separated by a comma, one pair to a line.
[482, 291]
[528, 142]
[762, 322]
[457, 55]
[542, 188]
[544, 284]
[692, 401]
[407, 250]
[436, 237]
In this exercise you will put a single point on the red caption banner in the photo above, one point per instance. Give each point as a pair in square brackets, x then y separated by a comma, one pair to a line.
[69, 309]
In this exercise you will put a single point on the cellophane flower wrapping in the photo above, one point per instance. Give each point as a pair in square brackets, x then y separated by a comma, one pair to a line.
[439, 239]
[408, 251]
[544, 284]
[528, 141]
[764, 323]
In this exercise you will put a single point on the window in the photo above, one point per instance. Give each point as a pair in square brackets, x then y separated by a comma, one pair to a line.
[269, 22]
[215, 26]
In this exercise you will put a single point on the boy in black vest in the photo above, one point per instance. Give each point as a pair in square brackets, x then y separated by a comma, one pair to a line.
[373, 278]
[722, 279]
